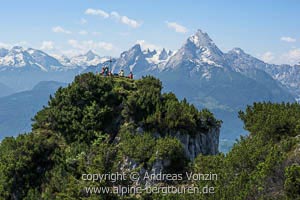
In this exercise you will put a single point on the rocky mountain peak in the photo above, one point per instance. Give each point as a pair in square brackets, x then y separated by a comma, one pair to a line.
[148, 53]
[163, 54]
[136, 48]
[90, 55]
[201, 42]
[200, 39]
[17, 49]
[198, 50]
[238, 51]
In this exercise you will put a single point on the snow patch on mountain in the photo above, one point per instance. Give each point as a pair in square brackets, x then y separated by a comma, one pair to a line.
[158, 57]
[84, 60]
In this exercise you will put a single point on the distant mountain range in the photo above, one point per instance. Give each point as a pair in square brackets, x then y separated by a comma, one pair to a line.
[17, 110]
[82, 61]
[19, 59]
[5, 90]
[198, 71]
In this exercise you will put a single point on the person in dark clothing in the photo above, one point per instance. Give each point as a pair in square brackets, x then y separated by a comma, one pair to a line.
[130, 75]
[102, 71]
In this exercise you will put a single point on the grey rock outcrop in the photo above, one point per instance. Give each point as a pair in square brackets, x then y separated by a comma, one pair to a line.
[201, 143]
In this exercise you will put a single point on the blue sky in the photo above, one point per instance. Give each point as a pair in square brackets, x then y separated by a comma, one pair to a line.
[266, 29]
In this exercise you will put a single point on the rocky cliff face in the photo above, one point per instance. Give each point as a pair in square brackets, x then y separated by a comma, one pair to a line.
[201, 143]
[204, 142]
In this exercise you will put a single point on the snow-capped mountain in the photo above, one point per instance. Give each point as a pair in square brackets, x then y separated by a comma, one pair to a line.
[22, 68]
[84, 60]
[139, 61]
[198, 53]
[134, 58]
[287, 75]
[19, 58]
[203, 49]
[201, 62]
